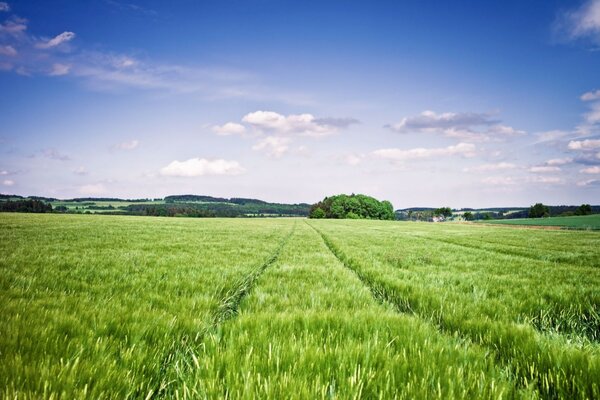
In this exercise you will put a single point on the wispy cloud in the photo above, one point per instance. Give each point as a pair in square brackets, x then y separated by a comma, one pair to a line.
[274, 133]
[589, 182]
[559, 161]
[128, 145]
[399, 155]
[55, 155]
[591, 96]
[588, 144]
[274, 146]
[466, 126]
[8, 182]
[582, 23]
[491, 167]
[229, 128]
[591, 170]
[26, 54]
[4, 7]
[544, 168]
[195, 167]
[299, 124]
[55, 41]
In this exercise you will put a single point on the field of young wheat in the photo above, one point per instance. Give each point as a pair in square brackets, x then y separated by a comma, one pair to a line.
[140, 307]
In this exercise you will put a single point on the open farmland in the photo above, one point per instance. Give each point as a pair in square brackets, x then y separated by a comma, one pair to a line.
[571, 222]
[139, 307]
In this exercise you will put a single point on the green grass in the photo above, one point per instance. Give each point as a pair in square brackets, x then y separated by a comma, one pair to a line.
[573, 222]
[136, 307]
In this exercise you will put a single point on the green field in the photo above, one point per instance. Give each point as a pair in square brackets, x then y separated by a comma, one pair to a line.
[148, 307]
[572, 222]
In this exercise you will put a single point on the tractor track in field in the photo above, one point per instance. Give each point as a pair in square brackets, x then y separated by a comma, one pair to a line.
[181, 356]
[501, 252]
[384, 295]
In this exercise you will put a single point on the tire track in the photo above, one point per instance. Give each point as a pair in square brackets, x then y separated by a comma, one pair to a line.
[490, 337]
[181, 356]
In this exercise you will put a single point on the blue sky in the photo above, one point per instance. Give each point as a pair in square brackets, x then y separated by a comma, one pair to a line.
[470, 104]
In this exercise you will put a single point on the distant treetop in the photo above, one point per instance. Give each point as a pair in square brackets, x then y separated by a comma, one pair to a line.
[354, 206]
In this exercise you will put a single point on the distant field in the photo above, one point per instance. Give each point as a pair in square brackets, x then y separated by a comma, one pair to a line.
[575, 222]
[149, 307]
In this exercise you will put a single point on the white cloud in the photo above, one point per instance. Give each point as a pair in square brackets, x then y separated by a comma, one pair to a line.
[14, 26]
[551, 136]
[593, 116]
[583, 22]
[4, 6]
[546, 179]
[499, 181]
[588, 182]
[464, 126]
[8, 182]
[394, 154]
[230, 128]
[3, 172]
[273, 145]
[201, 167]
[8, 50]
[559, 161]
[302, 124]
[59, 69]
[544, 168]
[591, 170]
[491, 167]
[56, 41]
[93, 189]
[588, 144]
[129, 145]
[591, 96]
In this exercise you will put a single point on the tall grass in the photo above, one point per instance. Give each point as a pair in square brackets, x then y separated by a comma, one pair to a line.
[134, 307]
[490, 298]
[92, 306]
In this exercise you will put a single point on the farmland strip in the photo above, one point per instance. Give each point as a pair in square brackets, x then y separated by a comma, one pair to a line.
[555, 371]
[496, 251]
[181, 356]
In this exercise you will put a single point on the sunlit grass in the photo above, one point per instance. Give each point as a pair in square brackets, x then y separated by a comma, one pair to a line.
[135, 307]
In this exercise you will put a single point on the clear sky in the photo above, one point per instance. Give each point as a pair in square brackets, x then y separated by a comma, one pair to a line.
[461, 104]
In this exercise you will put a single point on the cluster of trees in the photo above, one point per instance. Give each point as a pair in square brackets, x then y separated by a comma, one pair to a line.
[443, 212]
[352, 206]
[29, 206]
[538, 210]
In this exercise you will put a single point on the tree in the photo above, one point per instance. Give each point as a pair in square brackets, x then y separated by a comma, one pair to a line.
[444, 211]
[354, 206]
[317, 213]
[538, 210]
[584, 209]
[468, 216]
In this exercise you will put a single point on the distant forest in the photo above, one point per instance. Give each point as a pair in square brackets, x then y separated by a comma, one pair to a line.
[339, 206]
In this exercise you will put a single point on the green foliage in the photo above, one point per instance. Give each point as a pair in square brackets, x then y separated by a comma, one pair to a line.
[584, 209]
[354, 206]
[443, 212]
[538, 210]
[468, 216]
[317, 213]
[26, 206]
